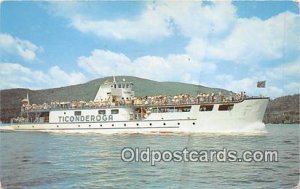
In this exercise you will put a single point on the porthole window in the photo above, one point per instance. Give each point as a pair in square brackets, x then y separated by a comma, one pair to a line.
[89, 125]
[178, 123]
[112, 125]
[164, 123]
[150, 124]
[124, 124]
[78, 125]
[100, 125]
[137, 124]
[193, 123]
[57, 126]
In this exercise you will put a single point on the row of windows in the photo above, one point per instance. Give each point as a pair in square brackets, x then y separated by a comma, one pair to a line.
[122, 85]
[223, 107]
[112, 111]
[171, 109]
[137, 124]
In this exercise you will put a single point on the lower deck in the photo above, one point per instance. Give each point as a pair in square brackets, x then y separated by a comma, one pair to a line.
[176, 125]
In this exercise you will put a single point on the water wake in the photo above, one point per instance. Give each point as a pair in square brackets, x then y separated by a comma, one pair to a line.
[229, 128]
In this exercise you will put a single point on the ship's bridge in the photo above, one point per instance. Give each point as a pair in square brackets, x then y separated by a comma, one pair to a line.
[114, 91]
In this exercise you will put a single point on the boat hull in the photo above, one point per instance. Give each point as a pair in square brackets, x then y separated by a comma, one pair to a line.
[246, 116]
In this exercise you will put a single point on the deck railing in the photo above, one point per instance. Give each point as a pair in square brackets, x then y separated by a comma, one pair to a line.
[136, 103]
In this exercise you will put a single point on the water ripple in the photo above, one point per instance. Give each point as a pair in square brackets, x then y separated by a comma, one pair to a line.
[63, 160]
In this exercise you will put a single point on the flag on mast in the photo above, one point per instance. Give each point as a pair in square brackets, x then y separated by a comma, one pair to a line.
[261, 84]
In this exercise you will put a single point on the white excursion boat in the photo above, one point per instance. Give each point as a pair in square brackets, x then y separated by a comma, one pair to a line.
[115, 109]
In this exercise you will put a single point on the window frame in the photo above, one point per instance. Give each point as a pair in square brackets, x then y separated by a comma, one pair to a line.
[114, 111]
[77, 113]
[208, 108]
[225, 107]
[102, 112]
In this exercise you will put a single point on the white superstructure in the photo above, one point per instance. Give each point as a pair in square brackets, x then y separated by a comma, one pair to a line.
[114, 91]
[116, 110]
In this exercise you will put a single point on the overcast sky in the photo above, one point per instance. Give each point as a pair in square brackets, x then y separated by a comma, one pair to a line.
[224, 44]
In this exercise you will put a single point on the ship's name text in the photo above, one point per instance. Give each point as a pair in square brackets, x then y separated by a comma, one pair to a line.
[86, 118]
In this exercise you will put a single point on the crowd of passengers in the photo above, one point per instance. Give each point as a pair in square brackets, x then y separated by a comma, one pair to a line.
[140, 101]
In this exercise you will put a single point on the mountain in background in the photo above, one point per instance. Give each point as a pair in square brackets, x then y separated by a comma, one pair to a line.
[284, 109]
[280, 110]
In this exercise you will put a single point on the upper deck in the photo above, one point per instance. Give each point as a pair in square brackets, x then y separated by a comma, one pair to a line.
[113, 96]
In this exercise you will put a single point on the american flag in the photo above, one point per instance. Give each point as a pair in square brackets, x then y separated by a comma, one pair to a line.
[261, 84]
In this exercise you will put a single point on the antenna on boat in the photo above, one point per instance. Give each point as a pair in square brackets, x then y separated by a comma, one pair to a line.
[114, 79]
[199, 88]
[27, 97]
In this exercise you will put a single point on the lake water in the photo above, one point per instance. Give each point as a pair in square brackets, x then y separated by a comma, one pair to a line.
[52, 160]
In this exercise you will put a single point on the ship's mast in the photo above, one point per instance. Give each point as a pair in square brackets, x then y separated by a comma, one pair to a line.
[114, 79]
[27, 97]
